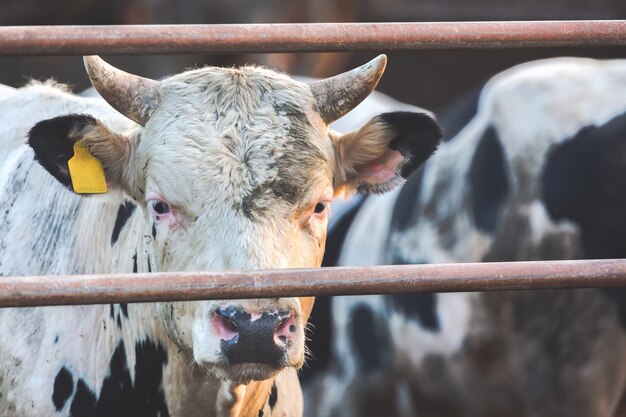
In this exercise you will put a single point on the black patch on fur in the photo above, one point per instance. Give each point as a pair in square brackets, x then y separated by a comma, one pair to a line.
[119, 322]
[417, 136]
[299, 155]
[420, 307]
[84, 402]
[149, 264]
[63, 388]
[135, 263]
[300, 125]
[151, 359]
[249, 204]
[370, 339]
[457, 115]
[124, 213]
[583, 181]
[56, 339]
[121, 397]
[153, 230]
[488, 180]
[260, 413]
[124, 307]
[111, 311]
[53, 146]
[273, 397]
[404, 212]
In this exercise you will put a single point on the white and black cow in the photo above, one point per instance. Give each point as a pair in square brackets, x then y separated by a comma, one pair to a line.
[538, 171]
[210, 169]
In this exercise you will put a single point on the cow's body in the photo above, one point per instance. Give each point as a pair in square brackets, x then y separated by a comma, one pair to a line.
[536, 173]
[218, 169]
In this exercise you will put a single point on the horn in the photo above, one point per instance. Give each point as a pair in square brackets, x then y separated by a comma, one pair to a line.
[134, 96]
[338, 95]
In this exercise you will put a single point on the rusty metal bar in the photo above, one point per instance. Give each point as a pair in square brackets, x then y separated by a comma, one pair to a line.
[100, 289]
[314, 37]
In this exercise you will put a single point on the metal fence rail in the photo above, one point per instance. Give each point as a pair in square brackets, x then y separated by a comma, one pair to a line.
[315, 37]
[100, 289]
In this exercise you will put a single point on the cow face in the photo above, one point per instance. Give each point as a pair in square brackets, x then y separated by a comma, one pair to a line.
[236, 169]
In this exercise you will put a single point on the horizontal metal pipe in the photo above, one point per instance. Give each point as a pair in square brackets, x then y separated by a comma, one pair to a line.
[101, 289]
[312, 37]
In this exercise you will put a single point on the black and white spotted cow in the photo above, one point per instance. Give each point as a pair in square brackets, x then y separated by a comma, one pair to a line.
[210, 169]
[537, 172]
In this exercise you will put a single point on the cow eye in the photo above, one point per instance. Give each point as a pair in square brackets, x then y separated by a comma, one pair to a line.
[160, 207]
[320, 207]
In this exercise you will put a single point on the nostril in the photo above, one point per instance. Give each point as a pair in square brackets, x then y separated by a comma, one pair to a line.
[286, 328]
[229, 325]
[225, 327]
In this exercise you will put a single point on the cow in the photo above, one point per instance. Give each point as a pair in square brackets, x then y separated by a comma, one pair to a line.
[534, 172]
[210, 169]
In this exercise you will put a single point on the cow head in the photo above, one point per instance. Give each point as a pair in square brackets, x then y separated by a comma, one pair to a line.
[235, 169]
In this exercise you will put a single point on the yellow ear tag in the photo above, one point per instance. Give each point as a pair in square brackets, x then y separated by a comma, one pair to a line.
[86, 172]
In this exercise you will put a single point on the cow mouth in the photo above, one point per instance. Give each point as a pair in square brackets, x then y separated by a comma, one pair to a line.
[243, 373]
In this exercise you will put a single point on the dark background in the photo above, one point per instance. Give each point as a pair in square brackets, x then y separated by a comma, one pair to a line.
[431, 79]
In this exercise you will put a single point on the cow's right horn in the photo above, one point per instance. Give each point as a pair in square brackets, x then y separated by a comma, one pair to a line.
[336, 96]
[134, 96]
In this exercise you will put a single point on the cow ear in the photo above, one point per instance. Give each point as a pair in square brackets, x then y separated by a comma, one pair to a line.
[380, 155]
[83, 138]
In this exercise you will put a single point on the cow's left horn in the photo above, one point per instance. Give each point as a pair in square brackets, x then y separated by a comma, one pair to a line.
[338, 95]
[134, 96]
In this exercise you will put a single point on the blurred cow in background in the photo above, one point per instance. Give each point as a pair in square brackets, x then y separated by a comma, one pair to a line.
[536, 173]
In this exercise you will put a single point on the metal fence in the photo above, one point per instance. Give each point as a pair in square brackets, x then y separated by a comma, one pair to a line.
[313, 37]
[185, 286]
[379, 37]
